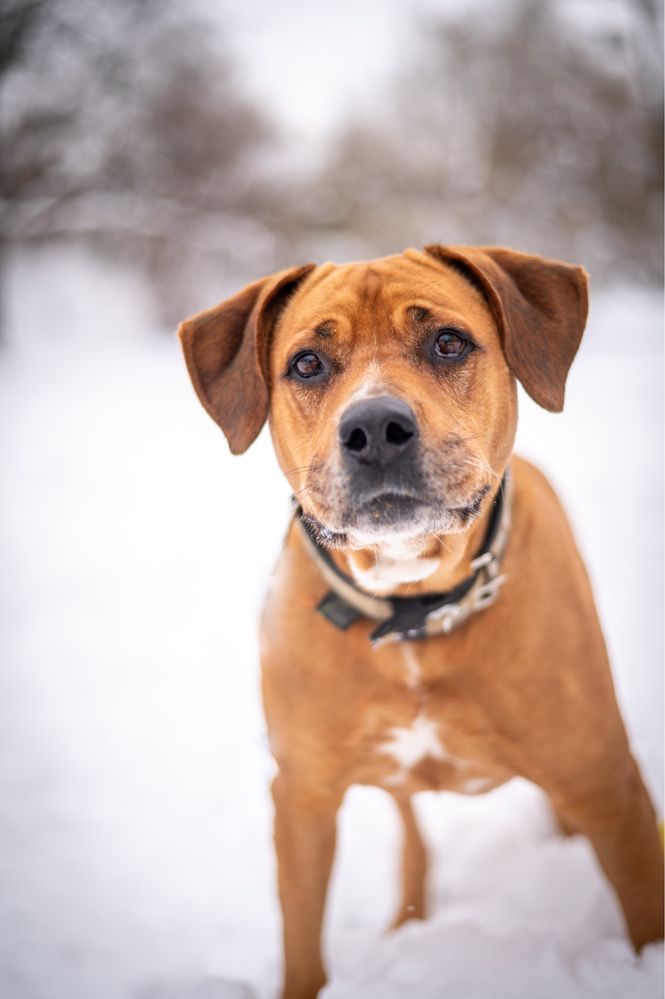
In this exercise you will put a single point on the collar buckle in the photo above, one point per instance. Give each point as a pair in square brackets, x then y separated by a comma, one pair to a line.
[487, 593]
[482, 561]
[447, 617]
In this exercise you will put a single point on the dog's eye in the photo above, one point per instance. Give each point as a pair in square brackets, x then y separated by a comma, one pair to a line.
[451, 345]
[307, 365]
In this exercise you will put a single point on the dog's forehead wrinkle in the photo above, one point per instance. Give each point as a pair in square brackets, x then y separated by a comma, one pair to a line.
[364, 310]
[412, 273]
[353, 291]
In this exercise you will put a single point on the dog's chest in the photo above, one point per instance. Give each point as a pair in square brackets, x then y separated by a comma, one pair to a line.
[415, 740]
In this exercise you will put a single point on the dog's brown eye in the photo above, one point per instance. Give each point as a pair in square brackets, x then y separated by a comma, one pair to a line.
[451, 345]
[307, 365]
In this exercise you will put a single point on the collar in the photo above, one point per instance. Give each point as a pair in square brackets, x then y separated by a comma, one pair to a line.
[404, 618]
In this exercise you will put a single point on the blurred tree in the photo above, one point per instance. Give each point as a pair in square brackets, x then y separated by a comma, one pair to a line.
[519, 124]
[536, 123]
[122, 121]
[16, 22]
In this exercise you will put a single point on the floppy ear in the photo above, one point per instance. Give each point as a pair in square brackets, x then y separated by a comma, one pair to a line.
[226, 350]
[540, 307]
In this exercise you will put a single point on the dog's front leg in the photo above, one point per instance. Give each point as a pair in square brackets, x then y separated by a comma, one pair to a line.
[621, 825]
[305, 846]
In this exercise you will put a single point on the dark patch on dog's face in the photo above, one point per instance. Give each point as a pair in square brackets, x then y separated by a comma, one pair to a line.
[402, 332]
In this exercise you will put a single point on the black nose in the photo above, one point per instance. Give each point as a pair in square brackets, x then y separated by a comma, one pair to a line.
[377, 431]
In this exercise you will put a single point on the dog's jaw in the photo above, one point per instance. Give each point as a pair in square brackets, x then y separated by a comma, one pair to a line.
[408, 563]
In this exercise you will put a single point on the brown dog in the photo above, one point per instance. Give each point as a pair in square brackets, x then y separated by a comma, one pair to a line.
[432, 624]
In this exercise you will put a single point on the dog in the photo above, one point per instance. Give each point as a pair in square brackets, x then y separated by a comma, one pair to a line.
[431, 625]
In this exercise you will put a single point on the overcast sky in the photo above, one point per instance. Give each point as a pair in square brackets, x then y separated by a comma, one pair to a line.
[310, 62]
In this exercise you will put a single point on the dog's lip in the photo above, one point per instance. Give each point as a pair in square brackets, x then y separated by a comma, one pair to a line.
[386, 499]
[388, 495]
[395, 508]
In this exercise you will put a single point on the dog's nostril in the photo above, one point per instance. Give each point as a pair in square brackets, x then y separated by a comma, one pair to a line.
[357, 440]
[395, 434]
[377, 430]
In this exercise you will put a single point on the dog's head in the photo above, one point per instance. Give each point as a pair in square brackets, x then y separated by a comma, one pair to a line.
[389, 385]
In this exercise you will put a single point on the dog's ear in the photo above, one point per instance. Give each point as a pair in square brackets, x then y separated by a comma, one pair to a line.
[226, 350]
[540, 307]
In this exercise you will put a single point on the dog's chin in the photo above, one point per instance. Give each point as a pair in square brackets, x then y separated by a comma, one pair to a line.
[395, 517]
[413, 525]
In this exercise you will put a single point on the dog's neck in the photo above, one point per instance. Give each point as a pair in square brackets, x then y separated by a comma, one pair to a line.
[408, 566]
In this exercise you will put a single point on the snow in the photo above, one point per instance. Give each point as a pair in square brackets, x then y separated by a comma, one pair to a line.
[135, 842]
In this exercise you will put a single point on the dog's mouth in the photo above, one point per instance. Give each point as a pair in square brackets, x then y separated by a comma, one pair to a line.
[388, 508]
[393, 514]
[370, 517]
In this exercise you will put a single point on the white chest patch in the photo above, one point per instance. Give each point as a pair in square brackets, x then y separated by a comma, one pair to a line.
[408, 746]
[388, 572]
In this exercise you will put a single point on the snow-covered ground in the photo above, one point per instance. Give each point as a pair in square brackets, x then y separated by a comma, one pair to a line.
[135, 843]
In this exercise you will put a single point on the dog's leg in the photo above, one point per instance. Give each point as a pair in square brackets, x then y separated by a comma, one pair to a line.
[414, 867]
[305, 845]
[621, 826]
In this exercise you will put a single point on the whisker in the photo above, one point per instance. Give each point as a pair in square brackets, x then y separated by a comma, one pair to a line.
[439, 539]
[298, 468]
[482, 465]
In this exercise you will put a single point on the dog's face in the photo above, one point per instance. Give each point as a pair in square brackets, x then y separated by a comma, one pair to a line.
[390, 385]
[392, 407]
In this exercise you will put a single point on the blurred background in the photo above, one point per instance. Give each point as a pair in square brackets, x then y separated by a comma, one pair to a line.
[156, 155]
[228, 140]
